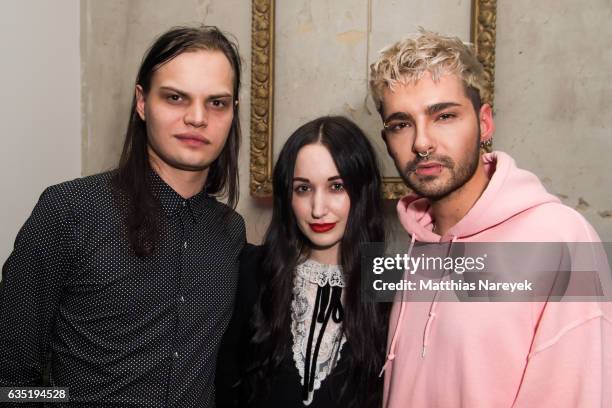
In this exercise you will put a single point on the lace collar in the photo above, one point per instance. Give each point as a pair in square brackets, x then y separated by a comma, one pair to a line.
[311, 276]
[321, 274]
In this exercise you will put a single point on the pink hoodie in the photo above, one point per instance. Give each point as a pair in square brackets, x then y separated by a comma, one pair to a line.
[500, 354]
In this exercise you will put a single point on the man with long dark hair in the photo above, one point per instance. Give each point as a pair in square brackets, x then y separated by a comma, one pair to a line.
[121, 284]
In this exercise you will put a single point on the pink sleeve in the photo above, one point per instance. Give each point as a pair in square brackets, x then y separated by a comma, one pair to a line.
[573, 367]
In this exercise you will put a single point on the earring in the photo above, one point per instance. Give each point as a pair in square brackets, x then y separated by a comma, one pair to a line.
[486, 144]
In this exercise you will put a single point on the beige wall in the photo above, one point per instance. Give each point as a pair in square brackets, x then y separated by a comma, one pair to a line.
[554, 98]
[553, 94]
[40, 105]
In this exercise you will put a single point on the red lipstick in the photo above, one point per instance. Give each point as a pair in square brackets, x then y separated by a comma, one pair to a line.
[320, 228]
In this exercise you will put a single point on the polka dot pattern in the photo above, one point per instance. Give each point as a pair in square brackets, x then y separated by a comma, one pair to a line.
[115, 328]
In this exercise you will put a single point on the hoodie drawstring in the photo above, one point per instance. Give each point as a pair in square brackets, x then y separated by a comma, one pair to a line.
[430, 318]
[398, 326]
[433, 306]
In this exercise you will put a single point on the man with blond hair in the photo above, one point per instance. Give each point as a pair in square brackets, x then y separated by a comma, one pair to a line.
[477, 354]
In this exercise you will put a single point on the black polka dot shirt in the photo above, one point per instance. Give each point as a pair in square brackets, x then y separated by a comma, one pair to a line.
[79, 309]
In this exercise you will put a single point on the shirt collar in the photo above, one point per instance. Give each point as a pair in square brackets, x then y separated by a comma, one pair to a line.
[171, 202]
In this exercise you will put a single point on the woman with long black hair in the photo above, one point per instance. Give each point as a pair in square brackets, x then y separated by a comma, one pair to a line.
[313, 340]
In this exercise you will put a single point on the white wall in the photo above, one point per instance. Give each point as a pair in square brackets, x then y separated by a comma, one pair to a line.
[40, 112]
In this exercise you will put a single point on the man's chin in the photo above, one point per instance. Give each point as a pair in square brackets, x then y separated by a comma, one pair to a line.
[189, 163]
[426, 188]
[194, 166]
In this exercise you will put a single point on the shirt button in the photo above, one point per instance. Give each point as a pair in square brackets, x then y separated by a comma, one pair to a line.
[175, 355]
[185, 245]
[182, 299]
[184, 203]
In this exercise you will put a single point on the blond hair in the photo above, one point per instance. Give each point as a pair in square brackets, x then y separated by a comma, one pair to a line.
[408, 60]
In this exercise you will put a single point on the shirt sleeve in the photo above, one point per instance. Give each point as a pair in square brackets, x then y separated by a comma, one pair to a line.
[30, 289]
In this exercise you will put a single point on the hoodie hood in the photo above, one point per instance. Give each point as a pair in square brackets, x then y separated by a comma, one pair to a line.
[500, 201]
[499, 353]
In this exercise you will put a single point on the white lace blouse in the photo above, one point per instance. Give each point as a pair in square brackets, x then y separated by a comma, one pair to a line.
[310, 275]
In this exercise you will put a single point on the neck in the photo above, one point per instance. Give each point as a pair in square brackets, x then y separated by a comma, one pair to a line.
[328, 256]
[185, 183]
[449, 210]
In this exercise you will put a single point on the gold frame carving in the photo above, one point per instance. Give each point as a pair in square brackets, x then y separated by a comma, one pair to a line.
[262, 97]
[483, 25]
[484, 17]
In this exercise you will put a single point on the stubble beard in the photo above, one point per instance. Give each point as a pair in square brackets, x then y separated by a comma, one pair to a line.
[434, 189]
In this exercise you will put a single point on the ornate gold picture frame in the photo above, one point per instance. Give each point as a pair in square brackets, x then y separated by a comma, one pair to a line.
[483, 22]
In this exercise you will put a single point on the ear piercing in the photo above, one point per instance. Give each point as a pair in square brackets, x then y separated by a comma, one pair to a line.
[485, 144]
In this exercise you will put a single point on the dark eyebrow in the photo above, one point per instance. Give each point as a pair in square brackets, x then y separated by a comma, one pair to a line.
[183, 93]
[219, 96]
[334, 178]
[169, 88]
[305, 180]
[431, 109]
[398, 116]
